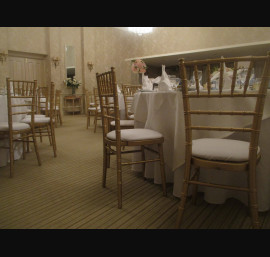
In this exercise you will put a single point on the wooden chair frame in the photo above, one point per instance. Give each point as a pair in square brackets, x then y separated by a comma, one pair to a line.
[47, 128]
[25, 90]
[107, 89]
[249, 166]
[128, 93]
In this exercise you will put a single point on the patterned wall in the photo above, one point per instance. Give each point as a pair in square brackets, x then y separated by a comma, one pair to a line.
[108, 46]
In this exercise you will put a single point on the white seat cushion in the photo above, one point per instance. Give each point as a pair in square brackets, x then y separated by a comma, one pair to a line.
[36, 120]
[92, 108]
[15, 126]
[135, 134]
[221, 149]
[124, 123]
[36, 116]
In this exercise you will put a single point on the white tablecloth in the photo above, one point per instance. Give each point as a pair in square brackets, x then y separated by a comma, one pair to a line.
[4, 153]
[163, 112]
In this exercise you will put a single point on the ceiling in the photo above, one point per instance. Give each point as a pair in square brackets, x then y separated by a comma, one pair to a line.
[171, 59]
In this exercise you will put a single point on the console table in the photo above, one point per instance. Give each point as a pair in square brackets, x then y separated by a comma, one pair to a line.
[72, 103]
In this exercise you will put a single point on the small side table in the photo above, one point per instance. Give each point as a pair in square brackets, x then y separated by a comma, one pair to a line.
[72, 103]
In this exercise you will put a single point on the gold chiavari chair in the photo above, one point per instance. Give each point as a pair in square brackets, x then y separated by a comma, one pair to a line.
[128, 93]
[45, 125]
[21, 96]
[220, 153]
[114, 141]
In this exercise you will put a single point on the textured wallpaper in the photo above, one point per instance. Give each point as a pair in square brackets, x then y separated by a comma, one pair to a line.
[108, 46]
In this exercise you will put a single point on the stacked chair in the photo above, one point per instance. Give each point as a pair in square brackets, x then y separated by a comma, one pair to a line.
[21, 97]
[220, 153]
[115, 140]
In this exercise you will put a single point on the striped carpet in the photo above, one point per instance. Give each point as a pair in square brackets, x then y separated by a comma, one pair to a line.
[66, 192]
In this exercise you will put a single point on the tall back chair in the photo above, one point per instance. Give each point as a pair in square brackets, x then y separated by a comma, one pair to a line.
[44, 125]
[128, 93]
[220, 153]
[114, 141]
[21, 97]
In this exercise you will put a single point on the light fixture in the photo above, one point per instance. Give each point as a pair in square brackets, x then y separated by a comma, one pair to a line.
[55, 61]
[3, 56]
[90, 66]
[140, 30]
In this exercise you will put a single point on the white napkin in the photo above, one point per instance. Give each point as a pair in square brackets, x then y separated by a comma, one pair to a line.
[155, 80]
[227, 77]
[193, 84]
[165, 83]
[146, 83]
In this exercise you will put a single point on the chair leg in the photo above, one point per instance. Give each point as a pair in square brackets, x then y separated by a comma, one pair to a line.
[87, 121]
[53, 138]
[183, 195]
[49, 129]
[104, 166]
[56, 118]
[11, 157]
[60, 117]
[253, 203]
[162, 169]
[40, 135]
[36, 147]
[119, 184]
[195, 186]
[143, 159]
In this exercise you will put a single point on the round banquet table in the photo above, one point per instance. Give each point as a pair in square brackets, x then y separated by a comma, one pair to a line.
[163, 112]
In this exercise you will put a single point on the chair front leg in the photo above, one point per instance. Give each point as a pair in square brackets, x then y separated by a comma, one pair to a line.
[162, 169]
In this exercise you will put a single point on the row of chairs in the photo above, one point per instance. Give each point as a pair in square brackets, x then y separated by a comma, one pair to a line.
[31, 113]
[199, 153]
[93, 105]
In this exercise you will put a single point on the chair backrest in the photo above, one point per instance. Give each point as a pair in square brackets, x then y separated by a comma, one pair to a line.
[46, 100]
[107, 90]
[21, 97]
[227, 88]
[128, 93]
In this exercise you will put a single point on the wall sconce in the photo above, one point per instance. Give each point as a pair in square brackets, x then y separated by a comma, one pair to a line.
[55, 61]
[90, 66]
[3, 56]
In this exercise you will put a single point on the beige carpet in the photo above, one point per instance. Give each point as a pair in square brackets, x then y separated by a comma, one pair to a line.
[66, 192]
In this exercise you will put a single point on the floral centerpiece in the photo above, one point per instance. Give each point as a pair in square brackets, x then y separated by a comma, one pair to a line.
[138, 66]
[73, 83]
